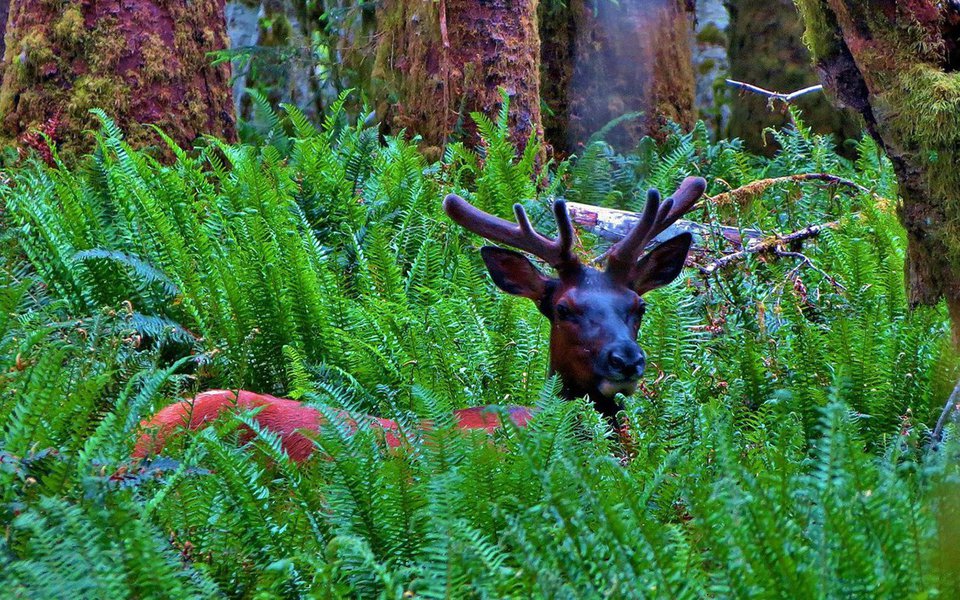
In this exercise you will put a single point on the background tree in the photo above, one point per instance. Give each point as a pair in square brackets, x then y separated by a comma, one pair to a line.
[300, 52]
[897, 64]
[438, 62]
[765, 48]
[603, 60]
[4, 13]
[143, 61]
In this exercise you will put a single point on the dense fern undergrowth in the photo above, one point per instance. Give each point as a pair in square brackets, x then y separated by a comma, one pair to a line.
[780, 439]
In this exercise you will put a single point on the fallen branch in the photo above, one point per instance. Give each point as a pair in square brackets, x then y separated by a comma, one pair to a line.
[755, 188]
[805, 260]
[785, 98]
[951, 405]
[613, 225]
[773, 244]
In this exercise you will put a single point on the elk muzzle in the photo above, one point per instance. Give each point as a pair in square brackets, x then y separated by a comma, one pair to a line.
[620, 366]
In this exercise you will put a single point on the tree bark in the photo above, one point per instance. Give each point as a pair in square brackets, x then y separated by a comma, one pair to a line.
[766, 49]
[142, 61]
[439, 61]
[603, 60]
[4, 14]
[897, 64]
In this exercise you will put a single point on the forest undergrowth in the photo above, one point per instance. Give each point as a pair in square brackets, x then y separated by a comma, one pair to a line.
[781, 437]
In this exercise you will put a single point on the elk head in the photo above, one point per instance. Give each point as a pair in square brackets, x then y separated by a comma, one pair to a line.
[594, 315]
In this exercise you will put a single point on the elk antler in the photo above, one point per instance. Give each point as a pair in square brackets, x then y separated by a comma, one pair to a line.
[656, 217]
[557, 253]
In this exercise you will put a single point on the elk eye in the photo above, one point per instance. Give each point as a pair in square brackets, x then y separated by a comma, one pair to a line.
[637, 312]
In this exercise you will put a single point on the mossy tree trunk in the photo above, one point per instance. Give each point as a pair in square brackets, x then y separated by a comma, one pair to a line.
[557, 29]
[603, 60]
[142, 61]
[897, 63]
[439, 61]
[766, 48]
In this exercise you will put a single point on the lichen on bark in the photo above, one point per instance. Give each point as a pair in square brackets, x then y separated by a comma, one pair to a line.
[144, 62]
[896, 63]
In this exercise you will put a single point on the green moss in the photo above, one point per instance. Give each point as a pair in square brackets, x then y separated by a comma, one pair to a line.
[712, 35]
[109, 46]
[35, 50]
[57, 64]
[276, 30]
[923, 110]
[156, 58]
[919, 111]
[89, 91]
[821, 35]
[70, 28]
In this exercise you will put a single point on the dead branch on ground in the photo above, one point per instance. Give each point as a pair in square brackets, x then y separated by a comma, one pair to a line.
[773, 245]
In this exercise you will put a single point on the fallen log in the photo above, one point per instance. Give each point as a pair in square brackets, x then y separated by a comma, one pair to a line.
[612, 224]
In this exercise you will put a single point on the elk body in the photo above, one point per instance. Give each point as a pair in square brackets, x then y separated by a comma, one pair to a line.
[594, 315]
[293, 422]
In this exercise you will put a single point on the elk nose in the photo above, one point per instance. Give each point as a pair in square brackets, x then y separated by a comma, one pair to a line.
[626, 360]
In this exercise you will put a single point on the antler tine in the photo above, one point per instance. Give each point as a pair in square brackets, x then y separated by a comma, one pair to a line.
[655, 219]
[685, 198]
[624, 253]
[521, 235]
[565, 233]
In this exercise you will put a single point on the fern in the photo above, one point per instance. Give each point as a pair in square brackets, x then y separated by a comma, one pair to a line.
[776, 446]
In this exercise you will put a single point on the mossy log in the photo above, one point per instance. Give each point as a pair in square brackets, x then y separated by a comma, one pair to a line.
[142, 61]
[603, 60]
[898, 64]
[437, 62]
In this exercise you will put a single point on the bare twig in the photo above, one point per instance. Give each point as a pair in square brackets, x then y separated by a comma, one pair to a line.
[950, 406]
[786, 98]
[805, 260]
[773, 244]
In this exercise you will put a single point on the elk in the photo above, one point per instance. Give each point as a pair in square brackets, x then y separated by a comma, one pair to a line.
[594, 315]
[594, 320]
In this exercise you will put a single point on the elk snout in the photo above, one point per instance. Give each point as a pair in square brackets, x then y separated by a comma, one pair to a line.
[625, 360]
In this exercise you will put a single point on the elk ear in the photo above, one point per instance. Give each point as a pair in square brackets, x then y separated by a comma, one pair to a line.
[661, 265]
[514, 273]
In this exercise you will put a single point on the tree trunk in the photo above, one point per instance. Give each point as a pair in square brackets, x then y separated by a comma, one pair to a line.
[142, 61]
[604, 60]
[557, 35]
[897, 64]
[711, 63]
[439, 61]
[300, 52]
[282, 63]
[766, 49]
[4, 14]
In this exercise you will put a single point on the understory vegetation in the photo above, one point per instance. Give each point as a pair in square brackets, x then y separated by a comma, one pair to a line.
[780, 441]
